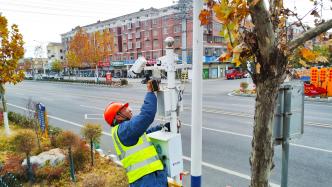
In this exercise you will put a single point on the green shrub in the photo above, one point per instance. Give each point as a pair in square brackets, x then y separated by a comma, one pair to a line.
[21, 120]
[124, 82]
[244, 85]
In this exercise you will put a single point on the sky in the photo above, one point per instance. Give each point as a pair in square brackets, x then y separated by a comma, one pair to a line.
[42, 21]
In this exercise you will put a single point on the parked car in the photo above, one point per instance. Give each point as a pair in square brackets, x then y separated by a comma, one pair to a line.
[234, 74]
[58, 77]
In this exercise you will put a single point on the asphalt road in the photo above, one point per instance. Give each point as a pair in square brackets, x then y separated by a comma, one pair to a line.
[227, 128]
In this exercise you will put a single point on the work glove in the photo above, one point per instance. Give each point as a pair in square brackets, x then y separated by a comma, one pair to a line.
[166, 126]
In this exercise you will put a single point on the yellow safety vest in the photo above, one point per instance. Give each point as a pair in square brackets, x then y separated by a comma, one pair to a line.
[138, 160]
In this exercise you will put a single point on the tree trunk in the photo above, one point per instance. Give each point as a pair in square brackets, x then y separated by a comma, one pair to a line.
[91, 146]
[261, 160]
[5, 112]
[97, 74]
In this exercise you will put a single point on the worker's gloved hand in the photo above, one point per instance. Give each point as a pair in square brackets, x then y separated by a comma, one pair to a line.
[167, 126]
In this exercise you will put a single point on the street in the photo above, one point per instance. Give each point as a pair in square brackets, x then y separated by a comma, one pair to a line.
[227, 128]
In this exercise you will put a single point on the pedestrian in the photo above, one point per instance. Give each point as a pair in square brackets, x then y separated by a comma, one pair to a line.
[138, 156]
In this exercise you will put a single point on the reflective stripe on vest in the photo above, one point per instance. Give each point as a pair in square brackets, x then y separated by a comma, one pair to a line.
[138, 160]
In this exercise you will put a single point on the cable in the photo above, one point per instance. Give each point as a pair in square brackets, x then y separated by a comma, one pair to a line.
[54, 8]
[43, 13]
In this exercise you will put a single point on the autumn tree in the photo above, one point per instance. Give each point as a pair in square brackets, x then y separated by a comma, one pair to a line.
[101, 46]
[11, 50]
[256, 31]
[78, 49]
[57, 66]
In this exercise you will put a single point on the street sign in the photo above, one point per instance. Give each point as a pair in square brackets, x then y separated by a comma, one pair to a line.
[41, 115]
[296, 114]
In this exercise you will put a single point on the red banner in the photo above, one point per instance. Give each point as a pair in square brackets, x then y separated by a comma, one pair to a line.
[312, 90]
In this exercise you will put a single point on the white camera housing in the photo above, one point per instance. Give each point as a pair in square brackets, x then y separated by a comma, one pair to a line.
[138, 66]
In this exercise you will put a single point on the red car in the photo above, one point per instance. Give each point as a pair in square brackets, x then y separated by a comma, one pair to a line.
[234, 74]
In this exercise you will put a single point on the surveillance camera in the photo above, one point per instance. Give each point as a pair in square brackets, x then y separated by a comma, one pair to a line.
[138, 66]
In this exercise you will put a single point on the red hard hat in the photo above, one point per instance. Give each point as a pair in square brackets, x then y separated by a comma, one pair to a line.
[111, 111]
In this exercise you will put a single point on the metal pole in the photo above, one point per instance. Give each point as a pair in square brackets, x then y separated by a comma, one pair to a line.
[196, 112]
[285, 142]
[171, 80]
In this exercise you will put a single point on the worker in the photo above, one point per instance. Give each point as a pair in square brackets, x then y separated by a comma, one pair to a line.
[138, 156]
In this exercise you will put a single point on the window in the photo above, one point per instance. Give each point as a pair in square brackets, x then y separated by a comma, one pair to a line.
[130, 45]
[155, 55]
[154, 21]
[138, 34]
[155, 33]
[155, 43]
[61, 57]
[177, 29]
[165, 30]
[147, 55]
[138, 44]
[208, 52]
[48, 51]
[177, 40]
[147, 23]
[147, 34]
[60, 50]
[147, 44]
[218, 39]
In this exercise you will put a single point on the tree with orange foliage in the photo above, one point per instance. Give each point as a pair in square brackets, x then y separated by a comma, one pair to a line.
[101, 47]
[11, 50]
[78, 49]
[258, 34]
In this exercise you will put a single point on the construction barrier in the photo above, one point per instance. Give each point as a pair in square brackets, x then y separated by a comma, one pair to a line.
[314, 76]
[323, 79]
[329, 83]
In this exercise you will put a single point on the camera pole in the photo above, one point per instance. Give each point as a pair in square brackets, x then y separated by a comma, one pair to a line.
[170, 69]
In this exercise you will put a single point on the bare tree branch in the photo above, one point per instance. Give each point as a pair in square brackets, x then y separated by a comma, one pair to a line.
[310, 34]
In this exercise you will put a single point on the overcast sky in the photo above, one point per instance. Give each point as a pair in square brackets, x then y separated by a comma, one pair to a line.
[42, 21]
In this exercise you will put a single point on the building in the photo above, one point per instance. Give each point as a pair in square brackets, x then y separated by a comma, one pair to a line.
[143, 33]
[33, 66]
[55, 51]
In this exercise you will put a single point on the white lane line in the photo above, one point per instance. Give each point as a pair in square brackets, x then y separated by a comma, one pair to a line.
[222, 131]
[56, 118]
[249, 136]
[87, 116]
[210, 129]
[188, 158]
[228, 171]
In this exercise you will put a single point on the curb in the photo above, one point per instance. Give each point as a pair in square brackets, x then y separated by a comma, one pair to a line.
[78, 83]
[306, 98]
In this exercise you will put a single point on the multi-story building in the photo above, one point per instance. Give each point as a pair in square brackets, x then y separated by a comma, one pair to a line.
[143, 33]
[55, 51]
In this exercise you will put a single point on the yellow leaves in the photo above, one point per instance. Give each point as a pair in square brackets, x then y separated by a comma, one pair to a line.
[303, 63]
[204, 17]
[11, 50]
[322, 59]
[236, 59]
[225, 57]
[307, 54]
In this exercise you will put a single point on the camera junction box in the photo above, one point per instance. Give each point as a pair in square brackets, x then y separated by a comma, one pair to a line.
[169, 149]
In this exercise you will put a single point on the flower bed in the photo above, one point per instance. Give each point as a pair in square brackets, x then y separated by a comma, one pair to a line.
[104, 172]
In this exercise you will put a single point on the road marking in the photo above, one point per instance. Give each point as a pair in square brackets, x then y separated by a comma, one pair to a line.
[86, 116]
[206, 128]
[228, 171]
[188, 158]
[249, 136]
[56, 118]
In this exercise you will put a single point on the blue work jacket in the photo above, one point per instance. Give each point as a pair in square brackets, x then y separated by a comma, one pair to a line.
[130, 131]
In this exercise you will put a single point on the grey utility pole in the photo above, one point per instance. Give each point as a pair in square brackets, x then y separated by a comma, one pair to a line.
[184, 6]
